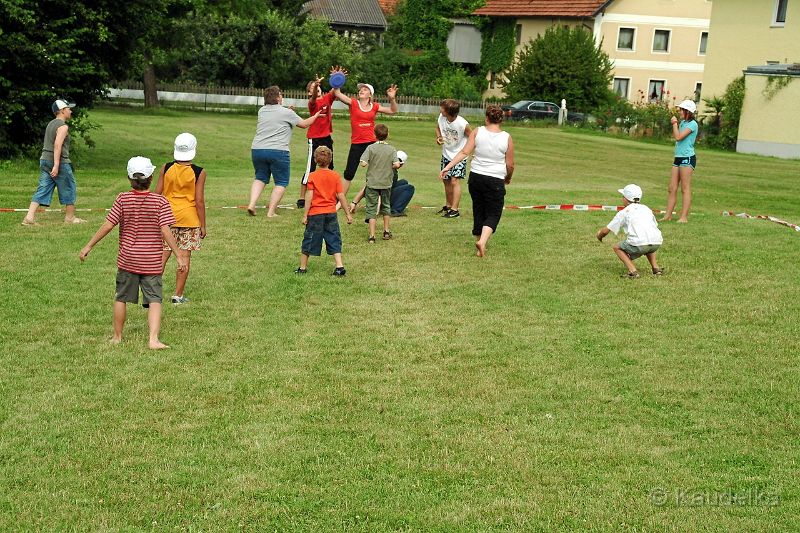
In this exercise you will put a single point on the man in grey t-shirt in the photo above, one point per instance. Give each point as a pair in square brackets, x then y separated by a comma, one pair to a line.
[55, 168]
[270, 148]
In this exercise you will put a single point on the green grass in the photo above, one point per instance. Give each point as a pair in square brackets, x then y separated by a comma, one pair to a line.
[429, 389]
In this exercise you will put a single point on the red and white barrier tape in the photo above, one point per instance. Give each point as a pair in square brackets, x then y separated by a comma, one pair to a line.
[762, 217]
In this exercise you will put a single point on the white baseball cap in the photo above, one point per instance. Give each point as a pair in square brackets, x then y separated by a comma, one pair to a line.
[402, 156]
[185, 147]
[689, 106]
[368, 86]
[631, 192]
[140, 165]
[58, 105]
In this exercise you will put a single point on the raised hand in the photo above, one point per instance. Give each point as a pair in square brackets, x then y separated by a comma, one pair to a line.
[391, 92]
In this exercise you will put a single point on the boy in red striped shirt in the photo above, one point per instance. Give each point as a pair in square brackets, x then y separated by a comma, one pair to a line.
[144, 219]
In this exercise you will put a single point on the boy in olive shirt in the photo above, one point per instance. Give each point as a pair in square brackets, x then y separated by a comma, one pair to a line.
[381, 160]
[55, 168]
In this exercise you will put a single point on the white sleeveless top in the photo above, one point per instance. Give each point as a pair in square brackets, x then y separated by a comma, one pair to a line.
[489, 157]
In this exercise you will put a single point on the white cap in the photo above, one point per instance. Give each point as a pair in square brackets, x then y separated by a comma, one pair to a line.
[402, 156]
[140, 165]
[58, 105]
[185, 147]
[368, 86]
[689, 106]
[631, 192]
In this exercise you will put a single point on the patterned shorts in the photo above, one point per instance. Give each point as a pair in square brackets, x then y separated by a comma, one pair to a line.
[459, 171]
[187, 238]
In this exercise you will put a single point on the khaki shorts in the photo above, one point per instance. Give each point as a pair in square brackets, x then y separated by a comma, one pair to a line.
[187, 238]
[635, 252]
[372, 196]
[128, 285]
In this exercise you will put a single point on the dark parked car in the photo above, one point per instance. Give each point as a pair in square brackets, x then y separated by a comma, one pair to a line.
[537, 110]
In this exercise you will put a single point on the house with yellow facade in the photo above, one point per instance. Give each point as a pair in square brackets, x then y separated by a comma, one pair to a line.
[760, 40]
[658, 46]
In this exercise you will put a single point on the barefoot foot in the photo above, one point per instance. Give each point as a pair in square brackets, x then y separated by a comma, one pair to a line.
[157, 345]
[481, 249]
[683, 220]
[115, 340]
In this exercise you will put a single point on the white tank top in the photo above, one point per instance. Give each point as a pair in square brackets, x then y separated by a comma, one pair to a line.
[489, 157]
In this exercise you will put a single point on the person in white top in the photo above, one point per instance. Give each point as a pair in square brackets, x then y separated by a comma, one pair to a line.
[491, 170]
[452, 132]
[643, 237]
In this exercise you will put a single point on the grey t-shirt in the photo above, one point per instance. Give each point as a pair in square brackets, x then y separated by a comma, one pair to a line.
[274, 128]
[50, 139]
[379, 158]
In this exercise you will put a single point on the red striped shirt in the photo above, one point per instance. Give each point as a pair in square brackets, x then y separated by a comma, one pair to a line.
[140, 215]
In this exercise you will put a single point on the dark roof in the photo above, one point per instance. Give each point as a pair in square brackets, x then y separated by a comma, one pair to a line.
[365, 14]
[542, 8]
[792, 69]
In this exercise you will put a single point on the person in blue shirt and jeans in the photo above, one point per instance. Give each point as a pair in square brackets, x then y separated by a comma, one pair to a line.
[685, 160]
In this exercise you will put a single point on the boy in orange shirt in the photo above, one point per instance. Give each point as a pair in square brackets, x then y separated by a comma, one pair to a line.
[319, 218]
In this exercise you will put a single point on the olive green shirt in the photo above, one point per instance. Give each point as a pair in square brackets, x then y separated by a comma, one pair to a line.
[379, 158]
[50, 140]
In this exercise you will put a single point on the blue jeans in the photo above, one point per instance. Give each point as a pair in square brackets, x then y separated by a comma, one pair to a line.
[322, 227]
[64, 182]
[275, 163]
[402, 192]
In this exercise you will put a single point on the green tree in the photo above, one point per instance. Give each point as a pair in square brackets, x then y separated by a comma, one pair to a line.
[562, 63]
[71, 55]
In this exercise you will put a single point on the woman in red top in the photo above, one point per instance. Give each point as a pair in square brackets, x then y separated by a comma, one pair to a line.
[362, 123]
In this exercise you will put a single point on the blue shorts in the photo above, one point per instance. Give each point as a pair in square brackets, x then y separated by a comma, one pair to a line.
[64, 182]
[459, 171]
[685, 161]
[324, 226]
[275, 163]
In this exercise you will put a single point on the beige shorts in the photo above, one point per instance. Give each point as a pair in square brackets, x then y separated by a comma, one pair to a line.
[187, 238]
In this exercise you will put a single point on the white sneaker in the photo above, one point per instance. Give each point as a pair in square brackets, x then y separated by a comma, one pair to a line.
[178, 300]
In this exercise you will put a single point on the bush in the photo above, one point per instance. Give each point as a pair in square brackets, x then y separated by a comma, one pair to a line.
[723, 128]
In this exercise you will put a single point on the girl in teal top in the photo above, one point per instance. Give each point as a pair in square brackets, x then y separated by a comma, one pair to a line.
[685, 160]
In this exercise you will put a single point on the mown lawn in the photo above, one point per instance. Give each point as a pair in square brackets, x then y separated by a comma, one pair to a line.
[427, 390]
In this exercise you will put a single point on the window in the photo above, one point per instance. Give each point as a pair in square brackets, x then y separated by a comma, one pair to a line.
[655, 90]
[703, 43]
[621, 86]
[661, 41]
[780, 13]
[626, 38]
[698, 90]
[519, 34]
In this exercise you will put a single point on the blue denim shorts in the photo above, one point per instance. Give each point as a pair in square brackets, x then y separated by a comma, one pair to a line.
[64, 182]
[275, 163]
[321, 227]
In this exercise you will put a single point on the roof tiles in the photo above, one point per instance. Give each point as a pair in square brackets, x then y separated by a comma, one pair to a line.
[542, 8]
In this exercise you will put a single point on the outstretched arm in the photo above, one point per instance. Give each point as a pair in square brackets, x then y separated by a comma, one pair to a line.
[391, 93]
[306, 122]
[102, 232]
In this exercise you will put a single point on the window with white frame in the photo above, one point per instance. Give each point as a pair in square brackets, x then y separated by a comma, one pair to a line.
[780, 13]
[621, 86]
[655, 90]
[625, 39]
[661, 41]
[703, 43]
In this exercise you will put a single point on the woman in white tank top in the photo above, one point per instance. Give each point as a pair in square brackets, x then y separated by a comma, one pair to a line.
[490, 171]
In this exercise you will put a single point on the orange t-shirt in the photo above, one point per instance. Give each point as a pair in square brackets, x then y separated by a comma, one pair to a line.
[326, 184]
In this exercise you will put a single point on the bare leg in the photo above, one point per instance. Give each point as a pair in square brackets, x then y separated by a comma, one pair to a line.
[154, 323]
[372, 228]
[69, 217]
[651, 257]
[346, 185]
[255, 191]
[30, 218]
[624, 258]
[483, 240]
[119, 322]
[303, 261]
[386, 220]
[303, 189]
[686, 189]
[455, 195]
[338, 260]
[274, 198]
[448, 192]
[672, 192]
[182, 276]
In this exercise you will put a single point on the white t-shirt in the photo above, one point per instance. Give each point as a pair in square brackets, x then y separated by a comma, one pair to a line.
[453, 135]
[489, 157]
[638, 223]
[274, 127]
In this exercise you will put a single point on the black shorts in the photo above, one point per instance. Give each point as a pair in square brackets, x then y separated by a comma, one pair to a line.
[685, 162]
[311, 165]
[353, 158]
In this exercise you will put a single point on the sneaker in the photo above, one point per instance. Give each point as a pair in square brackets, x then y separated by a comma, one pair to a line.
[630, 275]
[301, 203]
[443, 210]
[658, 271]
[299, 270]
[178, 300]
[371, 239]
[339, 271]
[387, 235]
[453, 213]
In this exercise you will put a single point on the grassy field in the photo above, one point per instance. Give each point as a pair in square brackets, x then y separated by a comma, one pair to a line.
[428, 390]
